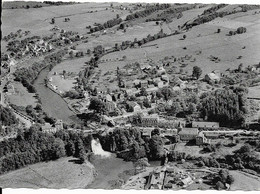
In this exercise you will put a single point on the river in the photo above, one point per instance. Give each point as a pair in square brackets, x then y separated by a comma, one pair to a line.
[52, 103]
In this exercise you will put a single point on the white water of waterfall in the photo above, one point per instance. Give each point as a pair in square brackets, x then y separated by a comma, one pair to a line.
[97, 149]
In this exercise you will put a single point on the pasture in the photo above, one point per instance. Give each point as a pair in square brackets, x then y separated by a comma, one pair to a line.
[62, 173]
[38, 20]
[205, 39]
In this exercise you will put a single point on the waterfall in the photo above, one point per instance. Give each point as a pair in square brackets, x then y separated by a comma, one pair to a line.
[97, 148]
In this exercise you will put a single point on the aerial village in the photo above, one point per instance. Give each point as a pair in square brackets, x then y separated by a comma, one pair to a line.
[182, 117]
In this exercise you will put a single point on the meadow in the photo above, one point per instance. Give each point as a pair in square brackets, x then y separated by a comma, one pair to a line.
[63, 173]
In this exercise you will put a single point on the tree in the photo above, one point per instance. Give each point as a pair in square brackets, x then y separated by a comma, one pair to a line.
[192, 108]
[240, 67]
[167, 93]
[220, 186]
[141, 163]
[156, 147]
[143, 91]
[58, 148]
[70, 148]
[146, 103]
[196, 72]
[97, 105]
[230, 179]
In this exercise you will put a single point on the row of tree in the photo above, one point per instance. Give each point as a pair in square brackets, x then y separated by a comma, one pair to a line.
[148, 11]
[26, 75]
[7, 116]
[108, 24]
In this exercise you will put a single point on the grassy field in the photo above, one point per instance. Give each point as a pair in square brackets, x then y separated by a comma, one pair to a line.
[63, 173]
[205, 39]
[244, 182]
[113, 36]
[21, 97]
[38, 20]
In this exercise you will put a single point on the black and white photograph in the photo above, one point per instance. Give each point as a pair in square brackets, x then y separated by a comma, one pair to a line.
[129, 95]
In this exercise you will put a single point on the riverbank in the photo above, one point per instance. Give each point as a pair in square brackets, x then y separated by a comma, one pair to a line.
[62, 173]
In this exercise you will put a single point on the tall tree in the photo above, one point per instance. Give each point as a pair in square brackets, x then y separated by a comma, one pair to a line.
[196, 72]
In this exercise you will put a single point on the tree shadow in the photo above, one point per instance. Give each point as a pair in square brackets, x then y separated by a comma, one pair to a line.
[75, 161]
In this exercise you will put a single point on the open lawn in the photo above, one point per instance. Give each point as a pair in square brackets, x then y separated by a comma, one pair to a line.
[63, 173]
[73, 66]
[244, 182]
[21, 96]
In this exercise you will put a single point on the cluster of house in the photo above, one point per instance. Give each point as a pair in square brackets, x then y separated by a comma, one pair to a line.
[167, 177]
[178, 129]
[37, 47]
[160, 78]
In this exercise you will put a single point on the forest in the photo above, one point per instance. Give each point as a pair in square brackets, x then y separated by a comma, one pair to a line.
[33, 146]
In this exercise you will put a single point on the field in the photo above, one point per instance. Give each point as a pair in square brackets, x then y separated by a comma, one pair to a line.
[38, 20]
[112, 36]
[63, 173]
[197, 151]
[22, 97]
[205, 39]
[245, 182]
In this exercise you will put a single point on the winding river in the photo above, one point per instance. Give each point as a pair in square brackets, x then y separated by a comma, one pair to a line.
[52, 103]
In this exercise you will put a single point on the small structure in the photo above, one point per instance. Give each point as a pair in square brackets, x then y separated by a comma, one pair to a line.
[212, 77]
[187, 134]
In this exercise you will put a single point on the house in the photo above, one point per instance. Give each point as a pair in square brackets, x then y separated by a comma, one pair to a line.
[59, 124]
[47, 128]
[144, 83]
[212, 77]
[134, 106]
[150, 120]
[136, 82]
[201, 139]
[110, 106]
[187, 134]
[163, 123]
[170, 132]
[186, 181]
[199, 124]
[165, 78]
[147, 132]
[145, 66]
